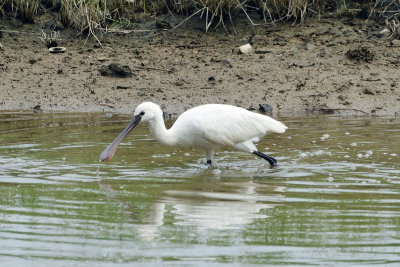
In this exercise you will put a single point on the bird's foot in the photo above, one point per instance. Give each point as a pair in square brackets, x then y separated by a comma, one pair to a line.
[270, 159]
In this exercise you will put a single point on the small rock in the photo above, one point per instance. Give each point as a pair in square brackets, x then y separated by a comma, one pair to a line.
[309, 46]
[395, 42]
[37, 109]
[166, 22]
[258, 38]
[300, 85]
[116, 70]
[384, 33]
[245, 49]
[368, 91]
[266, 108]
[227, 62]
[262, 51]
[179, 82]
[123, 87]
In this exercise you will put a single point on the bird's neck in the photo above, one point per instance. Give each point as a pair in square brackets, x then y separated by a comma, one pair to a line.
[160, 132]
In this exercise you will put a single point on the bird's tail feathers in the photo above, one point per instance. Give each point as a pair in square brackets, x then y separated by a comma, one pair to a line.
[276, 126]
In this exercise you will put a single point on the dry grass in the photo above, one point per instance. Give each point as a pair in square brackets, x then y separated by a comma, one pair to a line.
[390, 10]
[83, 15]
[394, 26]
[295, 10]
[218, 12]
[2, 4]
[94, 16]
[27, 9]
[50, 39]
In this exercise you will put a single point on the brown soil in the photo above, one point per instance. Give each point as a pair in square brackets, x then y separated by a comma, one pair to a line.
[331, 65]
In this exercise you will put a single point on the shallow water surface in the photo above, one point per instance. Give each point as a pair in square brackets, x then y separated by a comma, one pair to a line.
[334, 199]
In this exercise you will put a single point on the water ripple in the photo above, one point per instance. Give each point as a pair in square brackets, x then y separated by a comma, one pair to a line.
[333, 200]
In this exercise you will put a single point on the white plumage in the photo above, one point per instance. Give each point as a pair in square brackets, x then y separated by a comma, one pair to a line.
[207, 127]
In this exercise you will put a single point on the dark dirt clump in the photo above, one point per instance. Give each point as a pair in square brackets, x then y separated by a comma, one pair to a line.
[116, 70]
[363, 54]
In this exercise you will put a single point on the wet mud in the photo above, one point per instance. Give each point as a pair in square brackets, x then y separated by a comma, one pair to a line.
[328, 65]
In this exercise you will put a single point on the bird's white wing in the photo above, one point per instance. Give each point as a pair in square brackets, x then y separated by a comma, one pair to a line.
[229, 125]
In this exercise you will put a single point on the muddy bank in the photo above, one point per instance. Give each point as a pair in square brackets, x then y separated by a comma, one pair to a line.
[334, 66]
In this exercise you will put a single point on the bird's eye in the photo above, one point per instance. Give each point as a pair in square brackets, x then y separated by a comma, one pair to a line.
[142, 113]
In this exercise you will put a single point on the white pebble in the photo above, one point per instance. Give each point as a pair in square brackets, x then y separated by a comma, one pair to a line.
[359, 155]
[324, 137]
[346, 133]
[368, 153]
[303, 155]
[216, 171]
[393, 154]
[353, 144]
[161, 156]
[330, 179]
[187, 154]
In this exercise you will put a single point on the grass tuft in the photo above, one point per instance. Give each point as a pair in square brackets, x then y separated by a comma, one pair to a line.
[27, 9]
[50, 40]
[93, 16]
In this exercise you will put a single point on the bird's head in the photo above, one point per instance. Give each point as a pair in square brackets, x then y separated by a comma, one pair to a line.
[146, 111]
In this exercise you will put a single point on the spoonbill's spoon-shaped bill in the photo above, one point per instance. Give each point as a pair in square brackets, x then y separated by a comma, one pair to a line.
[207, 127]
[109, 152]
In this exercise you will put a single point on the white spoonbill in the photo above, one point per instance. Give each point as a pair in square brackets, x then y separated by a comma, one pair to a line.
[207, 127]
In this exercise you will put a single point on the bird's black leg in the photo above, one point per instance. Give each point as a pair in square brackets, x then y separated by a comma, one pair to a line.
[209, 162]
[270, 159]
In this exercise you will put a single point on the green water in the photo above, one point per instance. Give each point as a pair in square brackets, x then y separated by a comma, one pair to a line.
[334, 200]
